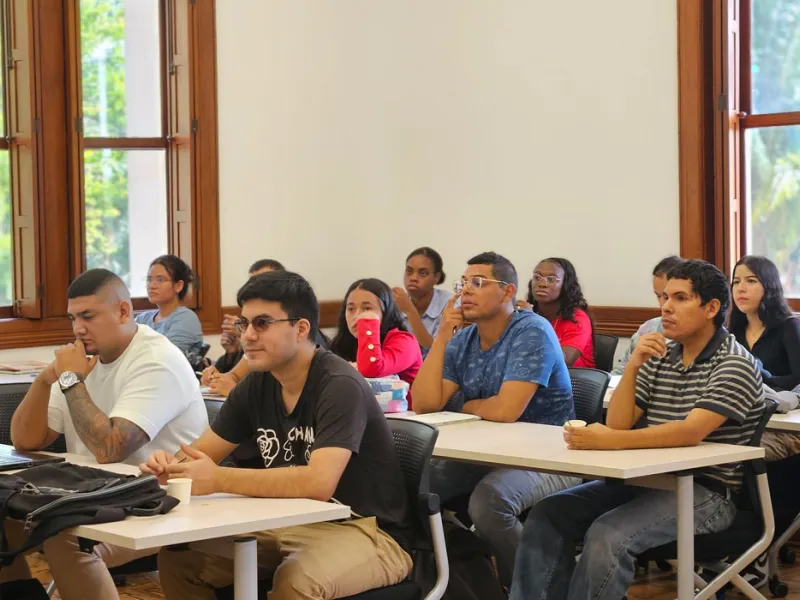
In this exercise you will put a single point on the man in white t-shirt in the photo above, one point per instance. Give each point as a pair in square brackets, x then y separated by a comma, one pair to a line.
[118, 394]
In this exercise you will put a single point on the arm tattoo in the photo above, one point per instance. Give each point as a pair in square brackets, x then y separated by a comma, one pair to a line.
[110, 440]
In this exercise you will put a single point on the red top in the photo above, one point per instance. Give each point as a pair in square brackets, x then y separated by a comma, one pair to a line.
[398, 355]
[577, 334]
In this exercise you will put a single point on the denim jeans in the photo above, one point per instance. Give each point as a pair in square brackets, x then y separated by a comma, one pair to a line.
[616, 523]
[497, 498]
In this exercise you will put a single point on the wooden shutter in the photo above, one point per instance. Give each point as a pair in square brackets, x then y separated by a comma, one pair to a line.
[728, 133]
[22, 131]
[181, 131]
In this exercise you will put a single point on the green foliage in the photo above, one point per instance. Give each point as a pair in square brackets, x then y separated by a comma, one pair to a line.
[105, 171]
[774, 153]
[6, 262]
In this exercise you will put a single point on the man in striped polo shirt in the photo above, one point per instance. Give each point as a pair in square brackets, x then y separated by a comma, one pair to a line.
[700, 386]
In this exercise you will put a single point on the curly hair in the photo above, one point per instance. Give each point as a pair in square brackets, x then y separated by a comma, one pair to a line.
[571, 297]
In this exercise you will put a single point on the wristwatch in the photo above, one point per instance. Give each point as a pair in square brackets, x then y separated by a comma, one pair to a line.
[69, 380]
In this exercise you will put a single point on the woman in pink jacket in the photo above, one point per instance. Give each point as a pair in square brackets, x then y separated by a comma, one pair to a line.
[373, 336]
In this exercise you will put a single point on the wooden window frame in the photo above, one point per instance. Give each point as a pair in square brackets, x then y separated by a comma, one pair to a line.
[715, 111]
[62, 258]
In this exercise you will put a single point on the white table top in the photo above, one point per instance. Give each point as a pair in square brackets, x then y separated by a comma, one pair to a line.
[785, 422]
[206, 517]
[541, 447]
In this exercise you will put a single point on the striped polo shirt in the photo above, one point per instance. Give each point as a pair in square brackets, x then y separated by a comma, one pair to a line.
[724, 378]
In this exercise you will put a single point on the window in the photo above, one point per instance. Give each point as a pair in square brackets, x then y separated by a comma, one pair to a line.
[123, 135]
[132, 175]
[770, 122]
[6, 262]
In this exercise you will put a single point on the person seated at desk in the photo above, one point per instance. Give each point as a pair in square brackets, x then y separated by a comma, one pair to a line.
[230, 336]
[555, 293]
[322, 436]
[421, 302]
[231, 368]
[659, 283]
[509, 367]
[168, 282]
[763, 323]
[703, 385]
[118, 394]
[372, 335]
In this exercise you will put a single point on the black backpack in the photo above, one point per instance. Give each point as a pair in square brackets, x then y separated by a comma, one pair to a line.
[53, 497]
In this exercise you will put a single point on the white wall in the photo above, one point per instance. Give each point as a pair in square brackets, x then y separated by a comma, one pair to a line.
[354, 131]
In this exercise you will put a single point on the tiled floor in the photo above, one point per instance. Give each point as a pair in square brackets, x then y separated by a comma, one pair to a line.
[653, 586]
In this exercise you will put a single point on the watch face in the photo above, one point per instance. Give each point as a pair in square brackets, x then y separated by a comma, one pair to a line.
[67, 379]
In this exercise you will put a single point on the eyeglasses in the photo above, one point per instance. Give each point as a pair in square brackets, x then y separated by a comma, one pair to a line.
[260, 323]
[549, 280]
[475, 282]
[159, 279]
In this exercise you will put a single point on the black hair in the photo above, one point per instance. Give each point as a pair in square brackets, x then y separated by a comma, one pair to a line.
[665, 264]
[708, 282]
[91, 282]
[178, 270]
[290, 290]
[773, 309]
[571, 297]
[502, 268]
[266, 263]
[434, 257]
[345, 344]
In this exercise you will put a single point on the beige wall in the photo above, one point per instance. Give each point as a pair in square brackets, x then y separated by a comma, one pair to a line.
[353, 131]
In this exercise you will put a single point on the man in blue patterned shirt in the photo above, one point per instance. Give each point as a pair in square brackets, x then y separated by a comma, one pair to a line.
[509, 367]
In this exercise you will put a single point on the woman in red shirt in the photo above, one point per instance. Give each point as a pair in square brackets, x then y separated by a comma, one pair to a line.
[373, 336]
[555, 293]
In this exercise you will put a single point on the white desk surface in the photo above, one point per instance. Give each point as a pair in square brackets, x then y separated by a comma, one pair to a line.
[785, 422]
[542, 447]
[206, 517]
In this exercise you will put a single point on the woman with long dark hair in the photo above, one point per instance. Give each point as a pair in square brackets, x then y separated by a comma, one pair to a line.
[555, 293]
[763, 323]
[168, 281]
[421, 302]
[372, 333]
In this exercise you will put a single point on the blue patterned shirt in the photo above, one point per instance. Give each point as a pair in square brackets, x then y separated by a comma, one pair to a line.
[527, 351]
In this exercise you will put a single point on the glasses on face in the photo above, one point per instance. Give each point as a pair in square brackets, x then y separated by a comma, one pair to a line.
[260, 323]
[475, 283]
[158, 279]
[549, 280]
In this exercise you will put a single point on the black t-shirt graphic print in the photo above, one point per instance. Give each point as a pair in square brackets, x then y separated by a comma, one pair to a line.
[336, 409]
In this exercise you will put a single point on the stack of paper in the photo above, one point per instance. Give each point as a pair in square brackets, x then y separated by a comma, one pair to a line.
[22, 367]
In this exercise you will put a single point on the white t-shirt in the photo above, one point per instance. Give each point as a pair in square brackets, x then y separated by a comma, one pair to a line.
[151, 385]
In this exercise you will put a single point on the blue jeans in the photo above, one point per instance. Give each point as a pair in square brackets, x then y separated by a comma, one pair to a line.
[616, 523]
[497, 498]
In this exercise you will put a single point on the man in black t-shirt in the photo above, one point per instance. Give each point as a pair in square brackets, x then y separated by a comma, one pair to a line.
[321, 435]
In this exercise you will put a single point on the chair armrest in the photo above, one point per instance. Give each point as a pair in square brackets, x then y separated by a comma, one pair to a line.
[431, 501]
[429, 504]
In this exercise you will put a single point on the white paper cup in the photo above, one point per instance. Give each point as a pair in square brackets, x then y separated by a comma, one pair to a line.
[575, 423]
[181, 489]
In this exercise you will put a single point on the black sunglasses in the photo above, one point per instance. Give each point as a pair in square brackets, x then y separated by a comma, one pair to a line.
[260, 323]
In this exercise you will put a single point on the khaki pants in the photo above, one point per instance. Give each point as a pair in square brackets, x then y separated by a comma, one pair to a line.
[322, 561]
[78, 575]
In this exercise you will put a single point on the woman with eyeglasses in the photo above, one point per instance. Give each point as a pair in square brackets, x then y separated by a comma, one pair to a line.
[372, 334]
[555, 293]
[168, 282]
[763, 323]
